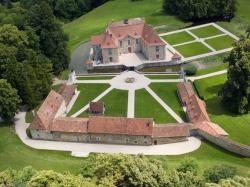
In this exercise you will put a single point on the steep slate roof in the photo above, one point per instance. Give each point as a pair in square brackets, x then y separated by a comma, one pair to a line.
[170, 131]
[196, 110]
[71, 125]
[47, 112]
[135, 28]
[210, 128]
[120, 125]
[67, 91]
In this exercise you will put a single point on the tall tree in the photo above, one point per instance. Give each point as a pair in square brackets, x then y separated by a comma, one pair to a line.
[236, 91]
[9, 100]
[53, 41]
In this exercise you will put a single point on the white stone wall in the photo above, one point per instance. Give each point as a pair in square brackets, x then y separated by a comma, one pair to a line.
[106, 56]
[151, 53]
[124, 48]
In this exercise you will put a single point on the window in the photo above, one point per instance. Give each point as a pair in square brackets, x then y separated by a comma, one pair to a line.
[98, 139]
[129, 42]
[137, 41]
[120, 43]
[157, 56]
[157, 48]
[110, 51]
[110, 59]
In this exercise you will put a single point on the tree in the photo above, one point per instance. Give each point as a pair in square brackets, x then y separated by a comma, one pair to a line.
[235, 93]
[200, 9]
[188, 165]
[248, 32]
[9, 100]
[53, 41]
[216, 173]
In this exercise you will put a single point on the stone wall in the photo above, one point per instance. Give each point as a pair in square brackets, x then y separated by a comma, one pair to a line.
[41, 135]
[227, 144]
[106, 56]
[124, 46]
[152, 53]
[158, 141]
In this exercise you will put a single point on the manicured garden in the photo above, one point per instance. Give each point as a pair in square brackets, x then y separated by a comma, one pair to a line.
[192, 49]
[88, 92]
[237, 126]
[212, 69]
[178, 38]
[147, 107]
[221, 42]
[168, 93]
[205, 32]
[95, 77]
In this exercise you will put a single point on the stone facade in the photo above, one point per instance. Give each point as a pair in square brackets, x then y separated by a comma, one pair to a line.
[166, 140]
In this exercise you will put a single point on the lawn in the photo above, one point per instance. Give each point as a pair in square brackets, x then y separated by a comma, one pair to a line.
[116, 103]
[237, 126]
[88, 92]
[178, 38]
[168, 93]
[94, 22]
[95, 78]
[222, 42]
[192, 49]
[163, 76]
[206, 31]
[147, 107]
[212, 69]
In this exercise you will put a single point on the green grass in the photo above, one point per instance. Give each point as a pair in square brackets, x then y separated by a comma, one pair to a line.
[94, 22]
[116, 103]
[222, 42]
[178, 38]
[14, 154]
[212, 69]
[237, 126]
[205, 32]
[192, 49]
[168, 93]
[95, 78]
[88, 92]
[147, 107]
[162, 76]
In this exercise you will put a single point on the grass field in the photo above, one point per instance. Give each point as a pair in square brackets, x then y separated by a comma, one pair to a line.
[207, 31]
[147, 107]
[88, 92]
[212, 69]
[192, 49]
[178, 38]
[95, 78]
[238, 127]
[94, 22]
[163, 76]
[221, 42]
[168, 93]
[116, 103]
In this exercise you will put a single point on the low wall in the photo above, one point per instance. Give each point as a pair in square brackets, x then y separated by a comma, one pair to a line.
[155, 64]
[163, 140]
[227, 144]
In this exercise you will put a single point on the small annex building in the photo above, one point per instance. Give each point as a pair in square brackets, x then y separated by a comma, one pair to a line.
[97, 108]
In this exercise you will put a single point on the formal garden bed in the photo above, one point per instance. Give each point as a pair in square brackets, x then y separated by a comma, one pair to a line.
[177, 38]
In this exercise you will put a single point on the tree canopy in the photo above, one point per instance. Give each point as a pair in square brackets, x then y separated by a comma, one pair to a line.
[200, 9]
[236, 91]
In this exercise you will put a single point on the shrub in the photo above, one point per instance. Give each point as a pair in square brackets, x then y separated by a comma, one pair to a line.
[28, 132]
[190, 69]
[216, 173]
[188, 165]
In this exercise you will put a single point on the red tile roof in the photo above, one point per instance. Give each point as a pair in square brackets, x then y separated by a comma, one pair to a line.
[185, 91]
[120, 125]
[210, 128]
[70, 125]
[47, 112]
[67, 91]
[136, 28]
[171, 130]
[96, 107]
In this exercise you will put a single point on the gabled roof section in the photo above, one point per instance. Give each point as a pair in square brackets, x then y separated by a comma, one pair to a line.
[47, 112]
[210, 128]
[185, 90]
[105, 40]
[67, 91]
[171, 131]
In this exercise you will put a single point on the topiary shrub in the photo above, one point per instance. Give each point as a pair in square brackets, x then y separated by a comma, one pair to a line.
[28, 132]
[190, 69]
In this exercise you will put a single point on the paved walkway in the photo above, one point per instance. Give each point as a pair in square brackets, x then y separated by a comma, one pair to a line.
[131, 104]
[164, 105]
[83, 149]
[96, 99]
[207, 75]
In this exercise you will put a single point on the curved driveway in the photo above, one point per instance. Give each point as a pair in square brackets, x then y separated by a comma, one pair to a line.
[83, 149]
